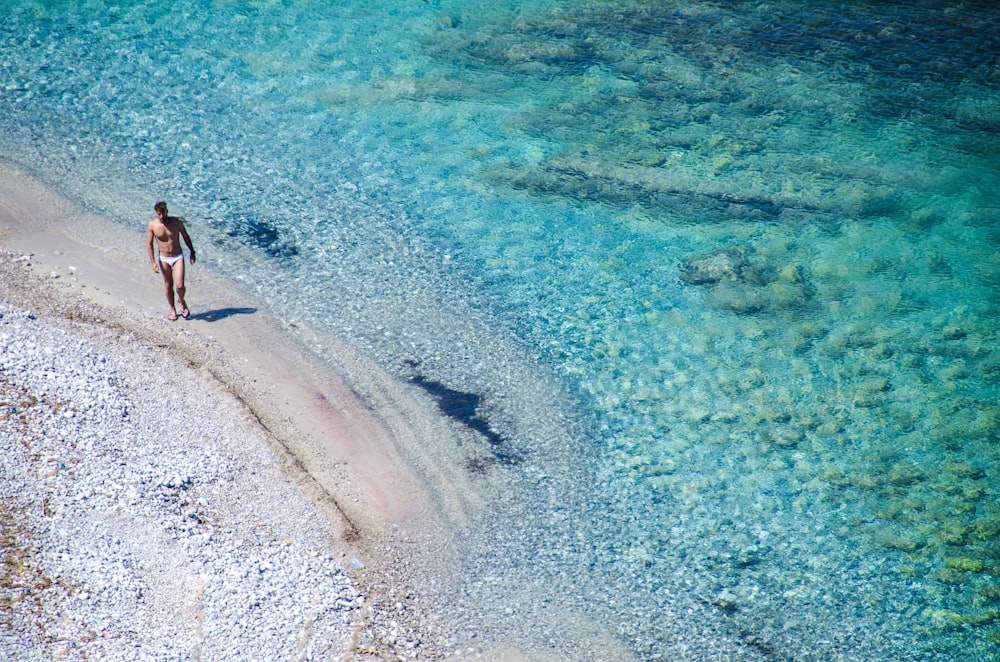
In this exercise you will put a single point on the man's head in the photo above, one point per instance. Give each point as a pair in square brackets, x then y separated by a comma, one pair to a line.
[161, 209]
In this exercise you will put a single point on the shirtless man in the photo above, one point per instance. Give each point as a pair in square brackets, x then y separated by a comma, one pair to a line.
[168, 230]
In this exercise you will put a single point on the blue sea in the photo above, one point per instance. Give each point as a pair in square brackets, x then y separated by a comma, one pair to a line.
[711, 289]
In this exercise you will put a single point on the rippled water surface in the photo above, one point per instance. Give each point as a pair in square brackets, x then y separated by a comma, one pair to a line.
[755, 245]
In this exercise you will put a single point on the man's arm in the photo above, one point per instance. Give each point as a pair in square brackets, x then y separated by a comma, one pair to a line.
[149, 247]
[187, 239]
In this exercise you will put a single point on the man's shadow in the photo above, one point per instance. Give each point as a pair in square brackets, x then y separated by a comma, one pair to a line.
[222, 313]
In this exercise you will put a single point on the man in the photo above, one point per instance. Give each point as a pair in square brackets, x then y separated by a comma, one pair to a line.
[168, 231]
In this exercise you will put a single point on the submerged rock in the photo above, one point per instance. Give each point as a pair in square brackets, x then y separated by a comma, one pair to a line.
[727, 601]
[731, 264]
[965, 564]
[740, 281]
[903, 473]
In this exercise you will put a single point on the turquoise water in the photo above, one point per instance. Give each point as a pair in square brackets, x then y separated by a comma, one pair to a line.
[723, 278]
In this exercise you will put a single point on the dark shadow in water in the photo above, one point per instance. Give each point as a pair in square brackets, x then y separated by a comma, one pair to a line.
[222, 313]
[463, 407]
[260, 232]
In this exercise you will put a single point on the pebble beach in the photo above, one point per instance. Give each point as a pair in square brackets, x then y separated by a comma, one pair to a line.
[144, 515]
[153, 506]
[203, 489]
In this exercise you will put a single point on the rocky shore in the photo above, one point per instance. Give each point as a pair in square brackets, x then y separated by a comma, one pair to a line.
[145, 514]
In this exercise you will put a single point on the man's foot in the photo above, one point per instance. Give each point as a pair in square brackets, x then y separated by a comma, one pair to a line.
[173, 316]
[185, 313]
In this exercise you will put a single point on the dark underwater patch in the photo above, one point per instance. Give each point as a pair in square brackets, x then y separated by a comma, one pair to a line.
[900, 58]
[738, 280]
[463, 407]
[562, 180]
[257, 232]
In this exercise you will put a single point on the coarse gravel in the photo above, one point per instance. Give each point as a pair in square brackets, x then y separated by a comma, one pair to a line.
[145, 516]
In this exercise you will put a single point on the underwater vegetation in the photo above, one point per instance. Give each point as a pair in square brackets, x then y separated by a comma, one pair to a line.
[719, 112]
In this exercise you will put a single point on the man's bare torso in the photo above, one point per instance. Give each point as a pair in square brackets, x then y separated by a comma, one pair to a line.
[168, 235]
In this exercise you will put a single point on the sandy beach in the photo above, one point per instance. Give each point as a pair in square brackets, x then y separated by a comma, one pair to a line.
[310, 438]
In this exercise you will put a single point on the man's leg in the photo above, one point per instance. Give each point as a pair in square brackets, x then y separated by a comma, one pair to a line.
[168, 287]
[178, 274]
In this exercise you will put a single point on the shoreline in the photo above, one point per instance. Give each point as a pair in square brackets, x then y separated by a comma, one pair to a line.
[374, 454]
[309, 408]
[340, 453]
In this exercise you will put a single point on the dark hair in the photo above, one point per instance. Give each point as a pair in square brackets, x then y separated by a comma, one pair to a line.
[160, 206]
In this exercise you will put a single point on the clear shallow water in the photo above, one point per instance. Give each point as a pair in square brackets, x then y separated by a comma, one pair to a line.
[757, 244]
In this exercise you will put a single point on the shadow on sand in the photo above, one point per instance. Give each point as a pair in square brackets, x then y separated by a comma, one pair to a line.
[222, 313]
